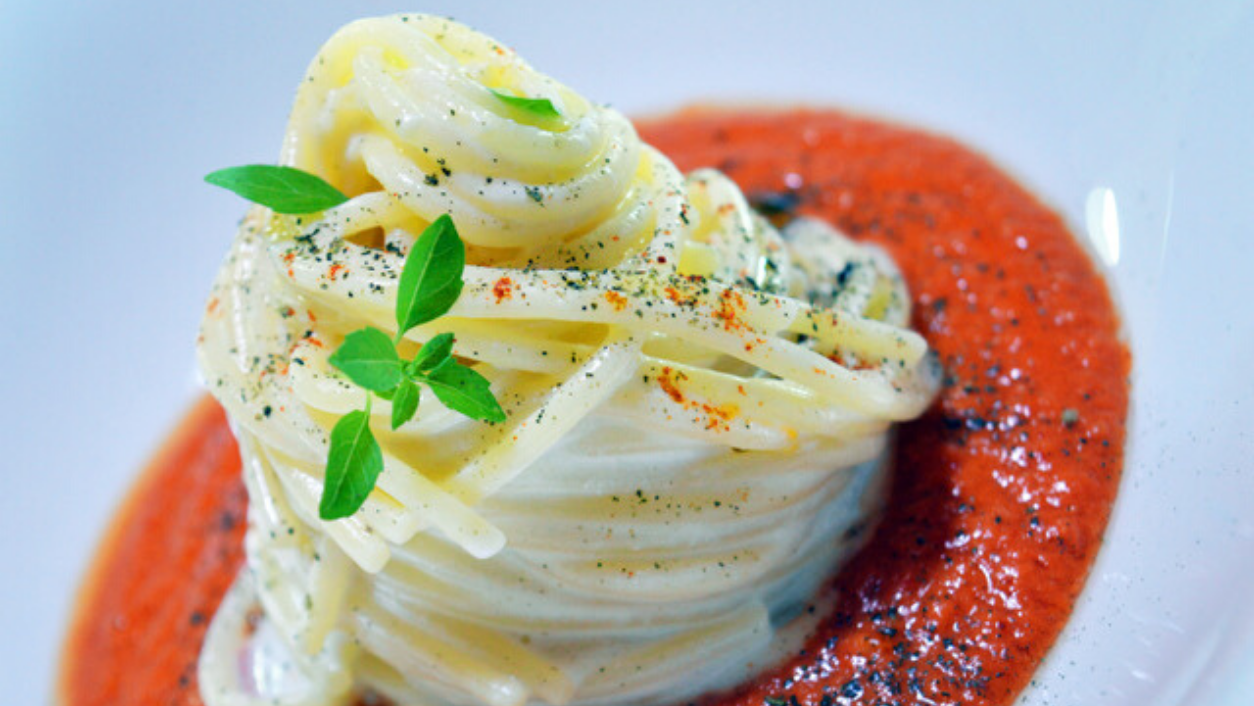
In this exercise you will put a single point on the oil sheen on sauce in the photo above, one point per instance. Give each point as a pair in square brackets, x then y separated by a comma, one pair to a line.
[1001, 494]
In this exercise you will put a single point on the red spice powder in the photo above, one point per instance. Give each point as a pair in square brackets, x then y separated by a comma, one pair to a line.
[616, 300]
[503, 289]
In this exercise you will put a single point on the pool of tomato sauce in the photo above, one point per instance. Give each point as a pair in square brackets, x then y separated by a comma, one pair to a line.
[1001, 494]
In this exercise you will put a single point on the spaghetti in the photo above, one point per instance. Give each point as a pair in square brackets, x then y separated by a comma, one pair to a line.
[697, 403]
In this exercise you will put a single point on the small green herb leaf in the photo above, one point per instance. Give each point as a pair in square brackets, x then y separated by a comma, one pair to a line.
[353, 466]
[369, 359]
[540, 107]
[433, 352]
[404, 403]
[464, 390]
[432, 278]
[282, 189]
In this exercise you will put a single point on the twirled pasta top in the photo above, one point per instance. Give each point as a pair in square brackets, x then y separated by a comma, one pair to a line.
[412, 107]
[697, 404]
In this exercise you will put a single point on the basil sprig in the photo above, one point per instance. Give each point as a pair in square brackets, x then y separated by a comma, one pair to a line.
[430, 282]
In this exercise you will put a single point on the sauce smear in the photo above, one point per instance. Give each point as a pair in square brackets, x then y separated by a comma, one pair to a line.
[162, 568]
[1002, 490]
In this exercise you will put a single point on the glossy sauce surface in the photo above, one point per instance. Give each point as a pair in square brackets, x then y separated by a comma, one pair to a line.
[1002, 490]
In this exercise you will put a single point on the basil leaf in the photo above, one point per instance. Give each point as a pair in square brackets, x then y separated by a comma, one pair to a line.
[369, 359]
[432, 353]
[353, 466]
[464, 390]
[404, 403]
[540, 107]
[282, 189]
[432, 277]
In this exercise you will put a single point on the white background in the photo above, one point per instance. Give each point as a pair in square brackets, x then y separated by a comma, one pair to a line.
[110, 114]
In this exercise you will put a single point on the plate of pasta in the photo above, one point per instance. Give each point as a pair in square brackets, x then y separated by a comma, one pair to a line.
[809, 356]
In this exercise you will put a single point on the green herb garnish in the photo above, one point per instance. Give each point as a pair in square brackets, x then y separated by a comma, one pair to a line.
[428, 287]
[432, 278]
[284, 190]
[540, 107]
[404, 403]
[353, 465]
[430, 282]
[369, 358]
[464, 390]
[433, 352]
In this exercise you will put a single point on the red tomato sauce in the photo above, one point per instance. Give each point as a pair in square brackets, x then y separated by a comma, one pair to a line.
[169, 556]
[1001, 494]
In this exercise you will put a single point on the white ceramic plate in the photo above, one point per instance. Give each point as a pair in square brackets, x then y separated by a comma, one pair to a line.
[1135, 122]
